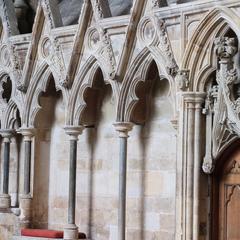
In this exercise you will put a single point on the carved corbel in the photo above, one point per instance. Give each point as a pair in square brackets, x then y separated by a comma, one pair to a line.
[182, 79]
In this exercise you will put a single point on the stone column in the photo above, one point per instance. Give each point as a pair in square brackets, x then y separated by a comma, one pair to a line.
[26, 196]
[199, 99]
[5, 200]
[71, 230]
[123, 128]
[189, 166]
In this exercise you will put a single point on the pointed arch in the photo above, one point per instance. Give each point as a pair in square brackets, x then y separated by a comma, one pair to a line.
[84, 80]
[39, 84]
[137, 73]
[199, 57]
[10, 116]
[11, 107]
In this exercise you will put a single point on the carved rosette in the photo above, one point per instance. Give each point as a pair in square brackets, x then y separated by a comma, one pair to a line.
[5, 56]
[147, 33]
[93, 39]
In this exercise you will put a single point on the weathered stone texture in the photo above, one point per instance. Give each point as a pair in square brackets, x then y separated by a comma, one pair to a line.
[148, 71]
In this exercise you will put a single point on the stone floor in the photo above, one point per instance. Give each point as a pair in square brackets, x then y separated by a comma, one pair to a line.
[33, 238]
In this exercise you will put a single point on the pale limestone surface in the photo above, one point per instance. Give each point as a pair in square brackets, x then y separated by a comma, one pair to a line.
[83, 62]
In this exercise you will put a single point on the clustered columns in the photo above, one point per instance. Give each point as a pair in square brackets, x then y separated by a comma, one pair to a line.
[26, 197]
[5, 200]
[189, 165]
[123, 128]
[71, 230]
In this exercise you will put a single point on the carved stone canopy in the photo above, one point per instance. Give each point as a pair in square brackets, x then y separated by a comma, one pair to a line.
[222, 107]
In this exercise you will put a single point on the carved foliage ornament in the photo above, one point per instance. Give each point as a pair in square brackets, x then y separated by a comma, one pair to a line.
[222, 107]
[152, 32]
[99, 44]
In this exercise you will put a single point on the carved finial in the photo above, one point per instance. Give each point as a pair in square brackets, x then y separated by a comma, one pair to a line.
[225, 47]
[182, 79]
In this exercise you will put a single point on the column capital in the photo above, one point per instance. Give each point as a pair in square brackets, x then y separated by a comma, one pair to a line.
[27, 133]
[7, 134]
[194, 97]
[123, 128]
[74, 131]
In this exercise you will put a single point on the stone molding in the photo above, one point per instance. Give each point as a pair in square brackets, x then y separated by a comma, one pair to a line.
[73, 131]
[28, 133]
[123, 128]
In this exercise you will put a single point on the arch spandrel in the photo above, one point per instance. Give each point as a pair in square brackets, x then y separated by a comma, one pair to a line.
[83, 80]
[39, 84]
[136, 74]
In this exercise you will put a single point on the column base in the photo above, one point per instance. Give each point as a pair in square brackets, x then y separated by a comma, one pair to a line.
[71, 232]
[5, 201]
[26, 210]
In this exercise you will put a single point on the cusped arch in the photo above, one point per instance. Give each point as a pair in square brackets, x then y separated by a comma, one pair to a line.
[11, 107]
[201, 46]
[10, 116]
[84, 80]
[39, 84]
[136, 74]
